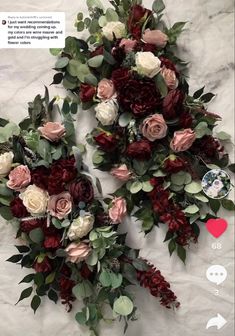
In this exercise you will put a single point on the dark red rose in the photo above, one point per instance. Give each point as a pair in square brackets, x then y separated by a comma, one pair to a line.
[40, 176]
[186, 120]
[120, 77]
[18, 209]
[44, 266]
[87, 92]
[137, 18]
[31, 224]
[97, 52]
[172, 105]
[52, 241]
[168, 64]
[139, 97]
[82, 190]
[140, 150]
[106, 142]
[174, 165]
[85, 272]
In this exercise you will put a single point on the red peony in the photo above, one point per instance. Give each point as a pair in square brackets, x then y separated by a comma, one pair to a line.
[120, 77]
[139, 150]
[40, 176]
[18, 209]
[174, 165]
[82, 191]
[52, 241]
[106, 142]
[31, 224]
[172, 105]
[44, 266]
[139, 97]
[137, 18]
[87, 92]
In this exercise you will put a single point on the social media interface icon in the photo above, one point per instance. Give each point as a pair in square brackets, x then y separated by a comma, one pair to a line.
[217, 321]
[216, 274]
[216, 227]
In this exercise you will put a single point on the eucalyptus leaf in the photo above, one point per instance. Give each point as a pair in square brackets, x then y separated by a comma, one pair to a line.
[62, 62]
[191, 209]
[96, 61]
[147, 186]
[111, 15]
[123, 306]
[83, 290]
[135, 187]
[223, 136]
[193, 187]
[36, 235]
[124, 119]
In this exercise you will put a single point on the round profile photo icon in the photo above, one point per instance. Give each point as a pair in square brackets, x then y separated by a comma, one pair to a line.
[216, 183]
[4, 22]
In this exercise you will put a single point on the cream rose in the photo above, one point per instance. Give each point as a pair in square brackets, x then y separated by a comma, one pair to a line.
[154, 127]
[77, 252]
[52, 131]
[35, 200]
[81, 226]
[6, 160]
[60, 205]
[118, 210]
[107, 112]
[114, 28]
[106, 89]
[147, 64]
[156, 37]
[19, 178]
[170, 78]
[121, 173]
[182, 140]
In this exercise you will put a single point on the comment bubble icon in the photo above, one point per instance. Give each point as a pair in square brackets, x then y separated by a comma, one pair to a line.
[216, 274]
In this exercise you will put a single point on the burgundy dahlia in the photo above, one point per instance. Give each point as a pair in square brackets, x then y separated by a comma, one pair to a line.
[172, 106]
[81, 190]
[18, 209]
[139, 150]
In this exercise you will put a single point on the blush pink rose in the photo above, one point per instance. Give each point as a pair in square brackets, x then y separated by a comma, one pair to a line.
[121, 173]
[60, 205]
[77, 252]
[118, 210]
[106, 89]
[156, 37]
[19, 178]
[170, 78]
[154, 127]
[128, 44]
[182, 140]
[52, 131]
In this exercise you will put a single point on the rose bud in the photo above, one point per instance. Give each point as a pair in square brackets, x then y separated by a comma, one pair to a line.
[52, 131]
[87, 93]
[182, 140]
[118, 210]
[154, 127]
[156, 37]
[139, 150]
[106, 142]
[122, 173]
[170, 78]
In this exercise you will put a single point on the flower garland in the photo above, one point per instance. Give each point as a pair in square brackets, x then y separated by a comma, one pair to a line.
[70, 236]
[152, 134]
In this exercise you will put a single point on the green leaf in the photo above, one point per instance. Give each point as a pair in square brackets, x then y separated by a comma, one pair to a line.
[140, 265]
[123, 306]
[83, 290]
[28, 278]
[74, 108]
[36, 235]
[109, 58]
[15, 258]
[228, 204]
[161, 85]
[50, 278]
[8, 131]
[124, 119]
[202, 129]
[191, 209]
[6, 213]
[193, 187]
[81, 317]
[206, 98]
[223, 136]
[97, 157]
[44, 150]
[73, 67]
[169, 235]
[80, 26]
[214, 205]
[147, 224]
[35, 303]
[66, 106]
[197, 94]
[135, 187]
[95, 3]
[231, 167]
[91, 80]
[171, 246]
[39, 279]
[25, 294]
[96, 62]
[62, 63]
[55, 51]
[111, 15]
[159, 173]
[105, 278]
[53, 296]
[92, 259]
[181, 252]
[116, 280]
[147, 186]
[22, 248]
[201, 198]
[158, 6]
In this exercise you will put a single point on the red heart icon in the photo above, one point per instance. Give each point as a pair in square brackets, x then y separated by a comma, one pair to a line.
[216, 227]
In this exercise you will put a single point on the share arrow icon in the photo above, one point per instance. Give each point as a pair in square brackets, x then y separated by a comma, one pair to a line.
[217, 321]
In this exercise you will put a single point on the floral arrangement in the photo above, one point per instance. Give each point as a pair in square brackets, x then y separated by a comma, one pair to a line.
[152, 134]
[68, 235]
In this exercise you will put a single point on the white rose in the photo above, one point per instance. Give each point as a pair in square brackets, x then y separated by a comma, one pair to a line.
[81, 226]
[5, 163]
[147, 64]
[117, 28]
[35, 200]
[107, 112]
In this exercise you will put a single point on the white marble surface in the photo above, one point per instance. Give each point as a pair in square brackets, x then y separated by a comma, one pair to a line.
[208, 44]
